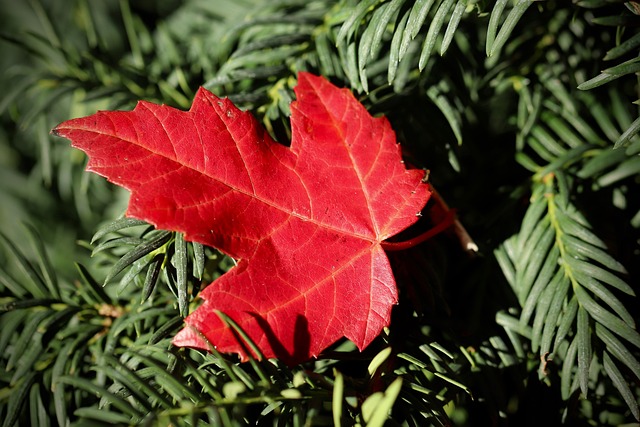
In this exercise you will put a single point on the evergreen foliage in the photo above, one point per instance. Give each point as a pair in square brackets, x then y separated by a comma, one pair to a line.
[523, 313]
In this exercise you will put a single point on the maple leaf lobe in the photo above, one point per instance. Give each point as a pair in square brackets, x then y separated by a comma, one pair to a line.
[305, 223]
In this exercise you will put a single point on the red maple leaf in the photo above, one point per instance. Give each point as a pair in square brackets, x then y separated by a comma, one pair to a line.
[304, 223]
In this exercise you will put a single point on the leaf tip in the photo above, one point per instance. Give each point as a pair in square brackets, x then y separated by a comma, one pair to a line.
[56, 131]
[189, 337]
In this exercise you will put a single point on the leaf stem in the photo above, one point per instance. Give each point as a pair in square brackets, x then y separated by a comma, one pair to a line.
[432, 232]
